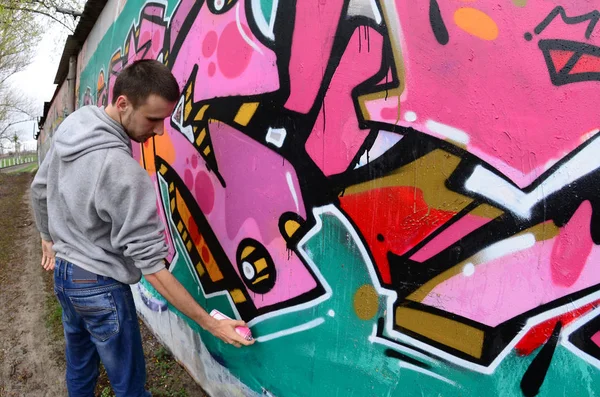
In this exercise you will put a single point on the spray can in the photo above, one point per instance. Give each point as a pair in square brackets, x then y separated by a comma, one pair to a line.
[244, 331]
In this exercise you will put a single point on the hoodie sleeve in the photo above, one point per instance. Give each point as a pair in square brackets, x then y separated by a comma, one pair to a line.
[125, 198]
[39, 197]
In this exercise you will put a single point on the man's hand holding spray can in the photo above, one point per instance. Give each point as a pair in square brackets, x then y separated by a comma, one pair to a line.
[244, 331]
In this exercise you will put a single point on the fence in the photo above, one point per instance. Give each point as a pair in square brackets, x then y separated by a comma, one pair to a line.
[16, 160]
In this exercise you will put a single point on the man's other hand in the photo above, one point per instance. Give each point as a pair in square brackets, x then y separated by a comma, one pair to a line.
[48, 261]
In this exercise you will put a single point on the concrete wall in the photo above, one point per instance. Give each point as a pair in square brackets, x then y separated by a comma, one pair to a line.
[56, 114]
[400, 197]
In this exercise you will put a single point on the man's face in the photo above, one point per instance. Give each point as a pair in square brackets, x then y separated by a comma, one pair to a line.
[147, 120]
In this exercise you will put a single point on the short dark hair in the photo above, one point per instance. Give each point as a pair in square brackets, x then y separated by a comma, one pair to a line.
[144, 78]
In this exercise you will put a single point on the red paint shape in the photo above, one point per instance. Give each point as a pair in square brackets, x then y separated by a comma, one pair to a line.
[157, 41]
[233, 53]
[212, 68]
[390, 113]
[209, 45]
[188, 178]
[572, 247]
[596, 338]
[194, 161]
[205, 192]
[397, 215]
[194, 232]
[539, 334]
[586, 64]
[205, 254]
[560, 58]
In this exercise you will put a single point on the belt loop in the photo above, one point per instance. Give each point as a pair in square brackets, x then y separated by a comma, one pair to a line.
[64, 266]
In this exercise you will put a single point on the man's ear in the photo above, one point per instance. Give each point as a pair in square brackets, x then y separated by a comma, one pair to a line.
[122, 103]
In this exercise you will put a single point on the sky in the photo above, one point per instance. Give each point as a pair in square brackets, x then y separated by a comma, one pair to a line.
[37, 80]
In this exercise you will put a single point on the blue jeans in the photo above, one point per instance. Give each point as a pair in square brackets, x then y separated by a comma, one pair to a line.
[100, 323]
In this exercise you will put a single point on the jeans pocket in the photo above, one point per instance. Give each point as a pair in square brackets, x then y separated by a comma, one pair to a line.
[99, 314]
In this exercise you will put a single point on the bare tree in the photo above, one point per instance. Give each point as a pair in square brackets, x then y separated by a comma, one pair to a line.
[22, 23]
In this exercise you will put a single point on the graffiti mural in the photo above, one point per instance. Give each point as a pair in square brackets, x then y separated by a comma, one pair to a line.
[405, 192]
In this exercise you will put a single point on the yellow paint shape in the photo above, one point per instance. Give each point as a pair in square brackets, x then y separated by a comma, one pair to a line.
[171, 187]
[201, 137]
[184, 236]
[487, 211]
[291, 227]
[366, 302]
[443, 330]
[189, 246]
[258, 280]
[180, 224]
[206, 151]
[247, 251]
[428, 173]
[237, 296]
[163, 169]
[244, 115]
[260, 265]
[188, 110]
[200, 269]
[213, 270]
[476, 22]
[188, 92]
[200, 114]
[182, 208]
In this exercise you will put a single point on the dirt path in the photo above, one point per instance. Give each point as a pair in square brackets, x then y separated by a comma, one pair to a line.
[28, 365]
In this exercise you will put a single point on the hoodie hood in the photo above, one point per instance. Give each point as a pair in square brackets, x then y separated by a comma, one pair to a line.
[89, 129]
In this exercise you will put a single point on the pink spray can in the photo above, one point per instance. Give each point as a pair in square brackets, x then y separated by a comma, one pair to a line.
[244, 332]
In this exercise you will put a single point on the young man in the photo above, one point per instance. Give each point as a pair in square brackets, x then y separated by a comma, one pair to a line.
[95, 207]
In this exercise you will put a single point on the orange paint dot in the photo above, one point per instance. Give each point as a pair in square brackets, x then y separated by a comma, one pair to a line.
[476, 22]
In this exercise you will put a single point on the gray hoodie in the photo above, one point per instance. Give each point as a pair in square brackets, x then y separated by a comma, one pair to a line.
[95, 202]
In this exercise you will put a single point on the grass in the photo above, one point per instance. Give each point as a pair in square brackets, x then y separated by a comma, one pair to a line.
[31, 168]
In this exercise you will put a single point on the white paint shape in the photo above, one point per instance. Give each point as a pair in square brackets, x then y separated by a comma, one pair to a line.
[500, 191]
[247, 39]
[410, 116]
[373, 338]
[384, 141]
[365, 8]
[331, 313]
[219, 4]
[290, 331]
[265, 28]
[505, 247]
[446, 131]
[469, 269]
[424, 371]
[290, 182]
[187, 131]
[276, 136]
[248, 269]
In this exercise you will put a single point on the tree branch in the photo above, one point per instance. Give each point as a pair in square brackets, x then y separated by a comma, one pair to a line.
[39, 12]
